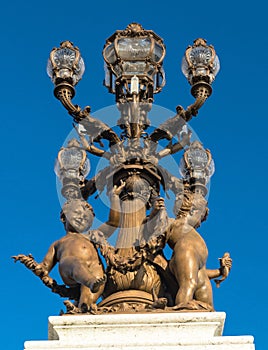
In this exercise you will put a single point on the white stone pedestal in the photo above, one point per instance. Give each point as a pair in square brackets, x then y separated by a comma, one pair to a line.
[148, 331]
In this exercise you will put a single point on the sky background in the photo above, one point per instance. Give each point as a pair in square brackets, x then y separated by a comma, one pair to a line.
[232, 124]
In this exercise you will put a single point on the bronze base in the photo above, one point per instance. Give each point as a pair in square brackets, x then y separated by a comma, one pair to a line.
[127, 296]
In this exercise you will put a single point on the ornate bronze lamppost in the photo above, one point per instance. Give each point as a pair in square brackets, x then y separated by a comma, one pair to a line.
[136, 274]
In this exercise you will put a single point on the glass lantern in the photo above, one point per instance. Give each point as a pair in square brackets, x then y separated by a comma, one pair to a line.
[65, 64]
[134, 52]
[200, 62]
[72, 163]
[197, 164]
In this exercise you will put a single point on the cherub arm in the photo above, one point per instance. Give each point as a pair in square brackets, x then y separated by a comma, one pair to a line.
[156, 226]
[41, 270]
[223, 270]
[112, 223]
[49, 261]
[158, 208]
[213, 273]
[38, 270]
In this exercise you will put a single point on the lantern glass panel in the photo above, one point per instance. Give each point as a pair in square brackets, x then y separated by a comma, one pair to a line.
[134, 48]
[86, 168]
[200, 57]
[211, 168]
[117, 70]
[197, 158]
[71, 158]
[64, 60]
[109, 54]
[134, 68]
[107, 79]
[157, 52]
[182, 168]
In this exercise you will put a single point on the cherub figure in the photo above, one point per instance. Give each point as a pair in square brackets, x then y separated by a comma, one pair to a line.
[79, 263]
[188, 262]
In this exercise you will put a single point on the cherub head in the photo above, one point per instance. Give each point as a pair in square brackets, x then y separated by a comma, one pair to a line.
[77, 215]
[193, 208]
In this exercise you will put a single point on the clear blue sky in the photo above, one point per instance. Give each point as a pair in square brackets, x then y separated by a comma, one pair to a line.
[233, 125]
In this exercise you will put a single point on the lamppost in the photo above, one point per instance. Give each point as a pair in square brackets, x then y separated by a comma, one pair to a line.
[134, 73]
[138, 276]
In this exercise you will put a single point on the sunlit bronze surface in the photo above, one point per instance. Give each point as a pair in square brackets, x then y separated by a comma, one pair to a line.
[133, 274]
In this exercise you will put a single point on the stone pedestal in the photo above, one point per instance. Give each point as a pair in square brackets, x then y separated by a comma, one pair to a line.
[149, 331]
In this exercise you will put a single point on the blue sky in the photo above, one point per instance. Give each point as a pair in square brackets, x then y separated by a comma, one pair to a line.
[233, 125]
